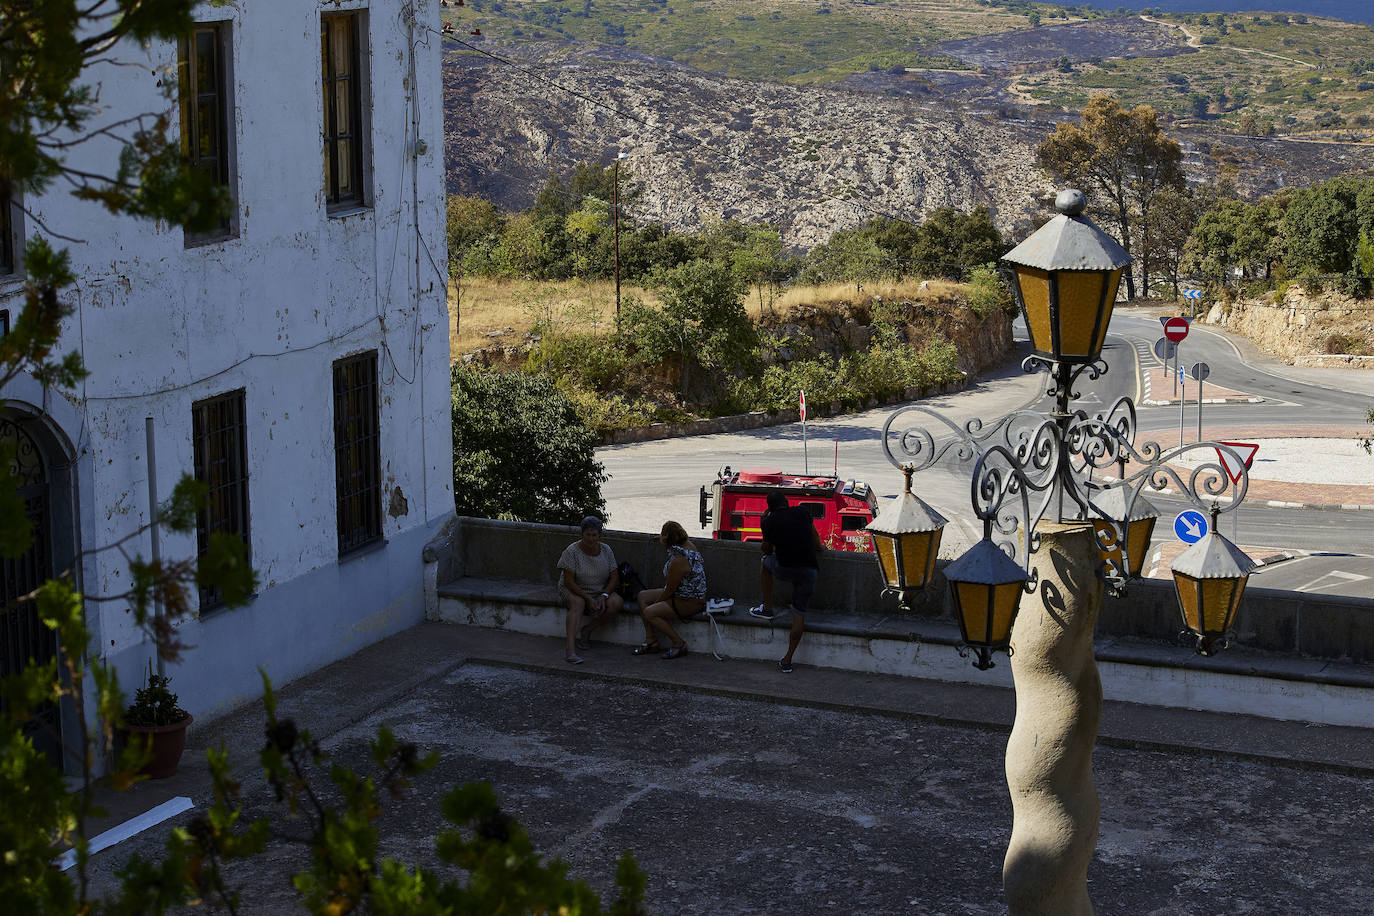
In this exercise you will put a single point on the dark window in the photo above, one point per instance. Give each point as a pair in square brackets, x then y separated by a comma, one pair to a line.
[852, 522]
[343, 110]
[7, 240]
[815, 510]
[202, 76]
[221, 456]
[357, 455]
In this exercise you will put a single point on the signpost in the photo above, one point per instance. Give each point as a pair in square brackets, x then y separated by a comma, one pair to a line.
[1199, 372]
[1192, 295]
[1246, 450]
[1166, 350]
[806, 465]
[1190, 526]
[1175, 328]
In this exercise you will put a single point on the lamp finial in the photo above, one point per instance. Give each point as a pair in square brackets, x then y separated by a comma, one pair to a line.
[1071, 202]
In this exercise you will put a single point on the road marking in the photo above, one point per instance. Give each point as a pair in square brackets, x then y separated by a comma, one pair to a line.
[1334, 574]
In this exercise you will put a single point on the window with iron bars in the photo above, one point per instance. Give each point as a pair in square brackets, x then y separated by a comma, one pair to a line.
[206, 110]
[341, 59]
[7, 239]
[219, 437]
[357, 452]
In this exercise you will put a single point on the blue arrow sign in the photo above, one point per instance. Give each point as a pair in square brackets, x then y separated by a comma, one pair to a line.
[1190, 526]
[1192, 294]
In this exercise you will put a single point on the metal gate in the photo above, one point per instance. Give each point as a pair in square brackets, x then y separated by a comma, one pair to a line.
[23, 638]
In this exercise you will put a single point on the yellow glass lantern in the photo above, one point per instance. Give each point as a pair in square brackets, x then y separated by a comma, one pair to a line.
[1140, 528]
[987, 586]
[906, 541]
[1209, 578]
[1067, 274]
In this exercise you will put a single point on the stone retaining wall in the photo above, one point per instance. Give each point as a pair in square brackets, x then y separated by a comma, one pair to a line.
[1300, 624]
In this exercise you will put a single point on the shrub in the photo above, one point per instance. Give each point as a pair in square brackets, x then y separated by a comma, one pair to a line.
[987, 293]
[597, 360]
[520, 450]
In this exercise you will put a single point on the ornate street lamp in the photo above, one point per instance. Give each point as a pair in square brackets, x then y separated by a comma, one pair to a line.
[906, 541]
[1209, 578]
[1031, 468]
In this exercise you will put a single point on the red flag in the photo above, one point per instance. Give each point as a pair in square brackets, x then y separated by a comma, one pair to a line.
[803, 405]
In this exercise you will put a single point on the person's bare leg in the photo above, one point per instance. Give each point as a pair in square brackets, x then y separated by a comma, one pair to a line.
[660, 617]
[575, 608]
[794, 636]
[647, 599]
[766, 588]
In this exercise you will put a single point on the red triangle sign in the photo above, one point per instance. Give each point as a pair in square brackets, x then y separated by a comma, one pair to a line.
[1246, 450]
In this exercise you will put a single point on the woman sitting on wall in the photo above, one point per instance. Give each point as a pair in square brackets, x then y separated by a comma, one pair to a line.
[588, 586]
[682, 595]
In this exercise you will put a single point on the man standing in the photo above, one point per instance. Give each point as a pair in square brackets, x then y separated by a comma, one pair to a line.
[790, 548]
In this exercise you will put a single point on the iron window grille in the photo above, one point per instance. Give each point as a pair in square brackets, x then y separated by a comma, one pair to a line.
[357, 452]
[7, 241]
[341, 60]
[202, 76]
[220, 437]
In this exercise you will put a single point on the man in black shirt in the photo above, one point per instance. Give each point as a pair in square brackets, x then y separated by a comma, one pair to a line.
[790, 548]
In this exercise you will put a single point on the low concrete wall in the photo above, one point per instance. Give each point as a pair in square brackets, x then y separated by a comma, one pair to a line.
[1276, 621]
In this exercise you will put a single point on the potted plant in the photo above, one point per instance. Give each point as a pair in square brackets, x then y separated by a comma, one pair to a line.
[155, 721]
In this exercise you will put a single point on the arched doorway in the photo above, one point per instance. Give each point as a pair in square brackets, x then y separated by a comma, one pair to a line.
[23, 638]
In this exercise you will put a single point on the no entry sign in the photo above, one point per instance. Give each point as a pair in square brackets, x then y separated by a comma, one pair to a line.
[1176, 329]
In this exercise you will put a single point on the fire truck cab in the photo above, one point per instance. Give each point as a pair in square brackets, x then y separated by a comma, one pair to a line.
[734, 505]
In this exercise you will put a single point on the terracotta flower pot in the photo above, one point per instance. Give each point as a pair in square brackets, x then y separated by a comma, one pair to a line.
[168, 741]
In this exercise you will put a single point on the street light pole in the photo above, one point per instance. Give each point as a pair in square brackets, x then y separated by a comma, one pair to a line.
[1030, 465]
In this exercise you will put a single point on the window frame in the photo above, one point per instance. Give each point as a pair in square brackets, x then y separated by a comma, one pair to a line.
[338, 202]
[189, 93]
[233, 450]
[357, 452]
[11, 234]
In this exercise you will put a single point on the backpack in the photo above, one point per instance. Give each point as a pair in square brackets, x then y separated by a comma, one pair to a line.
[630, 583]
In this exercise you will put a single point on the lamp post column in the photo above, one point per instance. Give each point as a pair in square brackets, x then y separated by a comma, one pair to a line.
[1058, 707]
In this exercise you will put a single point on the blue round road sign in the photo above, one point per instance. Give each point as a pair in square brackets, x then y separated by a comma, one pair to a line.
[1190, 526]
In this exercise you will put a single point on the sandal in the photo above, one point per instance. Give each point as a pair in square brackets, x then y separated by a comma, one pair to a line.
[646, 648]
[676, 651]
[574, 659]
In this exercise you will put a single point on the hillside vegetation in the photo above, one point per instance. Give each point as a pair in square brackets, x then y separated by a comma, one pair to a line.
[1290, 73]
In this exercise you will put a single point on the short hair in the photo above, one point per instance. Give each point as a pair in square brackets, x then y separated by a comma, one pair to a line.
[673, 534]
[592, 522]
[777, 501]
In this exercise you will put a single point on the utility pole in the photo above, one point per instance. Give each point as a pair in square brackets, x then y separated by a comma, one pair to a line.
[615, 221]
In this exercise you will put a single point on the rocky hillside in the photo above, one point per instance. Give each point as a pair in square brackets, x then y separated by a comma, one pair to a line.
[808, 159]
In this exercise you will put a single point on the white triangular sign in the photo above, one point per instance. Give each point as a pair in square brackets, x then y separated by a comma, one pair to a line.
[1246, 450]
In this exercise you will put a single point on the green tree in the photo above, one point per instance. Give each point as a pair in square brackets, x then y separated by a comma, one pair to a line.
[701, 321]
[1176, 213]
[1123, 155]
[754, 253]
[520, 450]
[949, 243]
[474, 225]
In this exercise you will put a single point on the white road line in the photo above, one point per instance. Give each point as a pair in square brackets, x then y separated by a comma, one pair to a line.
[132, 827]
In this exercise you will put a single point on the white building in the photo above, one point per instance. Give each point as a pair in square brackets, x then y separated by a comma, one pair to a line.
[296, 360]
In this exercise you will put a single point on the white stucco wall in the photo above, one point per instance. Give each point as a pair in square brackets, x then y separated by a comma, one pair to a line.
[161, 326]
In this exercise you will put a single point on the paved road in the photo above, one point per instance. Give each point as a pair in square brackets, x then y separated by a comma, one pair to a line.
[653, 481]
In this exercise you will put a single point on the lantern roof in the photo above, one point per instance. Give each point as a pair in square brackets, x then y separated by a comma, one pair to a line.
[1069, 241]
[907, 514]
[985, 564]
[1112, 501]
[1214, 557]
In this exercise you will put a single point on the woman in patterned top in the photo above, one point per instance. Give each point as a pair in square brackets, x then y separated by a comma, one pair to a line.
[682, 595]
[587, 584]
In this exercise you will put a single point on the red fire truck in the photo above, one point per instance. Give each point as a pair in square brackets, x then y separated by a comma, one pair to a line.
[736, 501]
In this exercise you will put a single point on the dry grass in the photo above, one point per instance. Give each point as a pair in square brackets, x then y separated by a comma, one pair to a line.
[503, 312]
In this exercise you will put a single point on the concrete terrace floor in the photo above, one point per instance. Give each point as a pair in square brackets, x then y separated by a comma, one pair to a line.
[743, 790]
